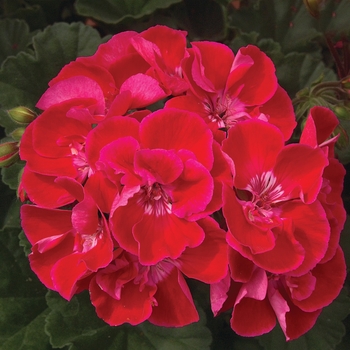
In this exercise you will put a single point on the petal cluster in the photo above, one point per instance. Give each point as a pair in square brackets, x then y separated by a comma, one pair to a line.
[152, 163]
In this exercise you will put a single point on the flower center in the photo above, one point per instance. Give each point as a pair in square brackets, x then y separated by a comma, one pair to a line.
[85, 242]
[79, 161]
[226, 111]
[155, 200]
[264, 193]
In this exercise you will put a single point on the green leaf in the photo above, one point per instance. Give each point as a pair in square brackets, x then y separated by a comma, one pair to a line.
[14, 38]
[289, 23]
[24, 78]
[76, 325]
[10, 175]
[115, 11]
[22, 301]
[300, 70]
[203, 20]
[325, 335]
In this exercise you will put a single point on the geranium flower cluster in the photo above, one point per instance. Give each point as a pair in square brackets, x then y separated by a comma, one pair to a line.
[140, 146]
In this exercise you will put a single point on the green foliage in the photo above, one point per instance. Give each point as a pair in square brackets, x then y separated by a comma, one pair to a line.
[325, 335]
[24, 78]
[75, 324]
[289, 23]
[115, 11]
[14, 37]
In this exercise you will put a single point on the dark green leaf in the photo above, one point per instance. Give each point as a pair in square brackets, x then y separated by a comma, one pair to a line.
[22, 302]
[325, 335]
[10, 175]
[24, 78]
[75, 324]
[14, 38]
[203, 20]
[115, 11]
[289, 23]
[300, 70]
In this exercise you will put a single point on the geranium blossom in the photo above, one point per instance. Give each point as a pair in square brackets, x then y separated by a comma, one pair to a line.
[318, 129]
[68, 245]
[165, 178]
[271, 209]
[127, 291]
[259, 297]
[226, 89]
[124, 197]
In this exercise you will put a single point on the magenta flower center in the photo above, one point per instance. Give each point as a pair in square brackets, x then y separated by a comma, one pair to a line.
[155, 200]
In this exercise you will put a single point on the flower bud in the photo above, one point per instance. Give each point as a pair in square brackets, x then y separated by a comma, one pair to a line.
[8, 153]
[346, 83]
[314, 7]
[22, 115]
[342, 112]
[17, 133]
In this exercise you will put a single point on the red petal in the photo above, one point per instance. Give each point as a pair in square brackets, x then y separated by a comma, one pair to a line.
[158, 165]
[39, 223]
[259, 82]
[83, 67]
[193, 190]
[65, 274]
[71, 88]
[246, 233]
[253, 146]
[285, 121]
[164, 236]
[175, 307]
[319, 125]
[102, 190]
[144, 90]
[305, 180]
[207, 262]
[310, 229]
[123, 220]
[330, 278]
[176, 129]
[299, 322]
[117, 157]
[253, 317]
[172, 50]
[43, 190]
[134, 307]
[210, 71]
[241, 267]
[104, 133]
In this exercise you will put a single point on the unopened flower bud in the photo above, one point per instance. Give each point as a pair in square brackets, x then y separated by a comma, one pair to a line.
[314, 7]
[346, 83]
[22, 115]
[17, 133]
[8, 153]
[342, 112]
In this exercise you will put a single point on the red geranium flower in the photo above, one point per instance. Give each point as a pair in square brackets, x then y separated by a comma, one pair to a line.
[226, 89]
[271, 209]
[317, 131]
[164, 166]
[68, 245]
[258, 297]
[129, 292]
